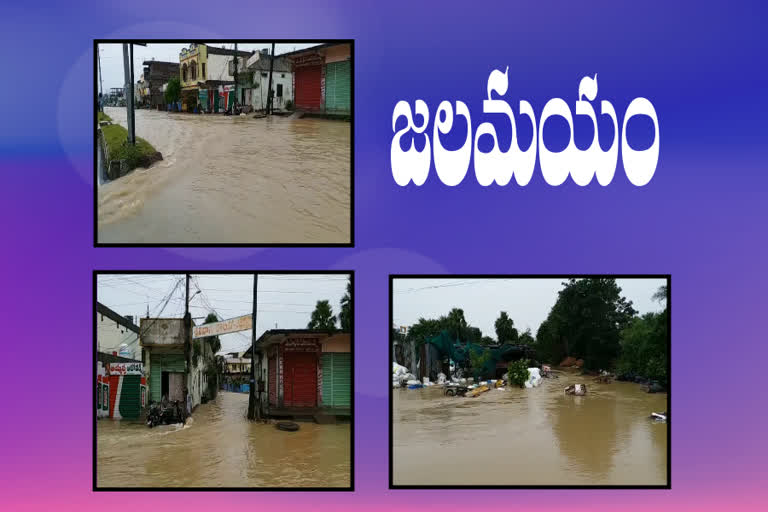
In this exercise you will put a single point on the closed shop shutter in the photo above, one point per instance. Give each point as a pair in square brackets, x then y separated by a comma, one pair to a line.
[338, 85]
[337, 382]
[300, 379]
[308, 95]
[272, 384]
[130, 397]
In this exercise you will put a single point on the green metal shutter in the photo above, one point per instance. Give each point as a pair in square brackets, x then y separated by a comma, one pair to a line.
[338, 86]
[160, 363]
[130, 397]
[337, 384]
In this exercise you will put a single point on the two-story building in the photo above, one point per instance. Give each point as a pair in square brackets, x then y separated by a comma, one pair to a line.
[157, 73]
[175, 366]
[116, 334]
[206, 78]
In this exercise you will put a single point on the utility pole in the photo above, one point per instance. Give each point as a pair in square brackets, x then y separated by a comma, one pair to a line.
[235, 74]
[269, 87]
[101, 80]
[187, 344]
[254, 409]
[128, 70]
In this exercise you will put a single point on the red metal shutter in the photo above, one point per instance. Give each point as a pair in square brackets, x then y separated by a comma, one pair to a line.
[272, 385]
[308, 94]
[300, 380]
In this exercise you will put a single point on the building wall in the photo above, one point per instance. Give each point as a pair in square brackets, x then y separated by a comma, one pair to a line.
[110, 334]
[258, 95]
[338, 53]
[337, 343]
[218, 67]
[162, 331]
[199, 56]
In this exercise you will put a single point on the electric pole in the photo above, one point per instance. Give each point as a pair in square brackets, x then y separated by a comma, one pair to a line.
[235, 59]
[187, 345]
[254, 410]
[128, 70]
[101, 80]
[269, 87]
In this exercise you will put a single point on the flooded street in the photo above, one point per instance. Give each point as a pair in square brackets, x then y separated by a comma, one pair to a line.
[218, 447]
[232, 179]
[534, 436]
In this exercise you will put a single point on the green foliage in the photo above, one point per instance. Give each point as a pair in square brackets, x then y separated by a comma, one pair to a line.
[322, 317]
[173, 91]
[197, 351]
[116, 138]
[526, 338]
[586, 322]
[212, 341]
[477, 362]
[644, 346]
[517, 372]
[345, 315]
[104, 117]
[505, 329]
[487, 340]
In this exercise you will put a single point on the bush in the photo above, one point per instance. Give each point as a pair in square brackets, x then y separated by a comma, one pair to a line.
[517, 372]
[289, 105]
[477, 361]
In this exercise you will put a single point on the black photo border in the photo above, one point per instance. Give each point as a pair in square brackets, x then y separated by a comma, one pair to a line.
[351, 488]
[351, 243]
[392, 277]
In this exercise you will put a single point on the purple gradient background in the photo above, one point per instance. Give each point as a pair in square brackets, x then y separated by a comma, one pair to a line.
[702, 219]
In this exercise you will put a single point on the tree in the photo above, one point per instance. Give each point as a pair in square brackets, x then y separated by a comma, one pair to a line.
[526, 338]
[505, 329]
[455, 323]
[423, 330]
[173, 91]
[586, 322]
[487, 340]
[213, 341]
[345, 315]
[323, 318]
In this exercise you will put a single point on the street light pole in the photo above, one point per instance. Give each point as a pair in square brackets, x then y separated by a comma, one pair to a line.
[254, 410]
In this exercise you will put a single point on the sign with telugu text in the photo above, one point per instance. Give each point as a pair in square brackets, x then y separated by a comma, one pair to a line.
[241, 323]
[125, 369]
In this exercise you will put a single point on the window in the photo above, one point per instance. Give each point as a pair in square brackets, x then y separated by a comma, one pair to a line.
[279, 90]
[184, 73]
[194, 70]
[282, 75]
[203, 75]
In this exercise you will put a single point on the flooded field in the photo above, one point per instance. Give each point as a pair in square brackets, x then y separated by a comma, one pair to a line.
[534, 436]
[218, 447]
[232, 179]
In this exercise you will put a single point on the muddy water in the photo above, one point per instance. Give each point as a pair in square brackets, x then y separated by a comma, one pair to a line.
[219, 448]
[232, 179]
[534, 436]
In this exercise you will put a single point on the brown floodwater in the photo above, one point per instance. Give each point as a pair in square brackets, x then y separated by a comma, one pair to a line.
[219, 447]
[536, 436]
[232, 179]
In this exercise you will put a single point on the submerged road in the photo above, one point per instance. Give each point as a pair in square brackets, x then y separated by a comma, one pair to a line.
[219, 447]
[232, 179]
[534, 436]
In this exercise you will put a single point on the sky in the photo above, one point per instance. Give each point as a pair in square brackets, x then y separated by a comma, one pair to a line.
[284, 301]
[526, 301]
[113, 75]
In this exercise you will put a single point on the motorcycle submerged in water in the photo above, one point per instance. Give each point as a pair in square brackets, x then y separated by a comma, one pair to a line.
[166, 413]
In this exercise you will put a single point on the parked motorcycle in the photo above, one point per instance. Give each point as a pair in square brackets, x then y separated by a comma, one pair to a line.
[166, 413]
